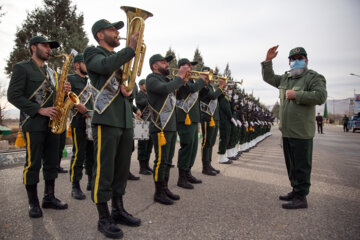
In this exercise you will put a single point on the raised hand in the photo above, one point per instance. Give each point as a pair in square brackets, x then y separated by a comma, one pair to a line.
[272, 53]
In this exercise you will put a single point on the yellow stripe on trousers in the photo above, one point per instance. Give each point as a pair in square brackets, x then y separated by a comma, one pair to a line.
[29, 155]
[96, 187]
[159, 159]
[75, 158]
[202, 148]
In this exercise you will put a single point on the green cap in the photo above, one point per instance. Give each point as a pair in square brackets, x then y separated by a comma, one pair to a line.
[158, 57]
[103, 24]
[297, 51]
[204, 68]
[141, 82]
[184, 61]
[41, 39]
[79, 58]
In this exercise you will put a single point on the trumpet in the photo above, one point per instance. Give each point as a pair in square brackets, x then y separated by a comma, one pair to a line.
[194, 74]
[232, 83]
[216, 78]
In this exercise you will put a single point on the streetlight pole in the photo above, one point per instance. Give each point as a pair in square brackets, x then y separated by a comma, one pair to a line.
[353, 74]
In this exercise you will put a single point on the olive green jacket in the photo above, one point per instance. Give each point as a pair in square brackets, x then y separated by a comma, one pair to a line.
[297, 116]
[78, 84]
[158, 87]
[206, 95]
[141, 100]
[100, 64]
[184, 91]
[224, 110]
[26, 78]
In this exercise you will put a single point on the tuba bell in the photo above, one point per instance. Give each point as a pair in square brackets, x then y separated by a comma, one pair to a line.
[135, 23]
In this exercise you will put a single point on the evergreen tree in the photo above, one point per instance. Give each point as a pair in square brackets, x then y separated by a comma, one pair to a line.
[199, 59]
[227, 72]
[216, 70]
[55, 20]
[173, 62]
[1, 12]
[275, 110]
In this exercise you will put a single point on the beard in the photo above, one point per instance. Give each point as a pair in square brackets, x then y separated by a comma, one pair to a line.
[83, 71]
[41, 54]
[164, 71]
[111, 41]
[297, 72]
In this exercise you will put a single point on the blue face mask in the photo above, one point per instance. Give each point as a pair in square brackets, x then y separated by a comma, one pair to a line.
[298, 63]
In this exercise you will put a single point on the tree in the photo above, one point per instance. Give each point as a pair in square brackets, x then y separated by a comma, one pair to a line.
[2, 105]
[216, 70]
[227, 72]
[173, 62]
[56, 20]
[275, 110]
[199, 59]
[1, 12]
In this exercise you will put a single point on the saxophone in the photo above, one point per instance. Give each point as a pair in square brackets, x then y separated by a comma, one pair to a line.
[64, 105]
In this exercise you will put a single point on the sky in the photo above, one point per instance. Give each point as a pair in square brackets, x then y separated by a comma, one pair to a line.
[230, 31]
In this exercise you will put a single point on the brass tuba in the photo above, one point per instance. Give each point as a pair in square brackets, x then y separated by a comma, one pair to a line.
[135, 23]
[58, 124]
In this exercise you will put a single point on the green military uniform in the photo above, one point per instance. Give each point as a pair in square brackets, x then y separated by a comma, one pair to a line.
[158, 88]
[297, 120]
[225, 123]
[83, 148]
[188, 133]
[144, 146]
[112, 124]
[41, 144]
[209, 130]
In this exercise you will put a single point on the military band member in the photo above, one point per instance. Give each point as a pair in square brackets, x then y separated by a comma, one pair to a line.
[32, 89]
[300, 90]
[112, 126]
[161, 96]
[144, 146]
[188, 117]
[209, 122]
[83, 148]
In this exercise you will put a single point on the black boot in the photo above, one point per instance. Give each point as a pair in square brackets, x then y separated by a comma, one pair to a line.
[88, 185]
[105, 224]
[168, 192]
[207, 170]
[61, 170]
[76, 191]
[212, 168]
[160, 195]
[34, 206]
[133, 177]
[49, 200]
[182, 181]
[120, 215]
[287, 197]
[296, 203]
[143, 168]
[191, 178]
[147, 166]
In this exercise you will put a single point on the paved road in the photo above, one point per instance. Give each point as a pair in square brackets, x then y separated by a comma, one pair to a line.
[240, 203]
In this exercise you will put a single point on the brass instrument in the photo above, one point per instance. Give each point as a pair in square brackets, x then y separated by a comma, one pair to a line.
[216, 78]
[135, 23]
[195, 74]
[58, 123]
[232, 83]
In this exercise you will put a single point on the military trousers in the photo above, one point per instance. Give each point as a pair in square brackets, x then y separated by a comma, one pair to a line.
[163, 155]
[233, 137]
[112, 153]
[62, 140]
[83, 152]
[225, 131]
[42, 148]
[209, 138]
[298, 159]
[144, 149]
[188, 145]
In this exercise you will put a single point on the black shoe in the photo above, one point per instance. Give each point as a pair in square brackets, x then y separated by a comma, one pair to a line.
[61, 170]
[143, 168]
[120, 215]
[287, 197]
[191, 178]
[88, 185]
[133, 177]
[182, 181]
[169, 193]
[105, 224]
[297, 203]
[227, 162]
[160, 196]
[34, 206]
[208, 171]
[49, 200]
[212, 168]
[76, 191]
[147, 166]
